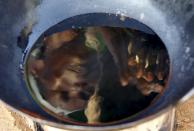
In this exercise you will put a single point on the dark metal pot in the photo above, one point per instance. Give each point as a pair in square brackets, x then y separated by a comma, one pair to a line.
[172, 21]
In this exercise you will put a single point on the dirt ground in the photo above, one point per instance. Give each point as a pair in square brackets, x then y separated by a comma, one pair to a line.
[11, 121]
[185, 116]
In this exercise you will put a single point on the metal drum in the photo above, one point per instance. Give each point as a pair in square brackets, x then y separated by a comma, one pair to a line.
[26, 22]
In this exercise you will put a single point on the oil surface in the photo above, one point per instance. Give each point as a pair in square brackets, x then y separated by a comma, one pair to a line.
[97, 74]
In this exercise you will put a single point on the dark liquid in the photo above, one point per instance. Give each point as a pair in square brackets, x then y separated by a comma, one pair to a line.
[103, 73]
